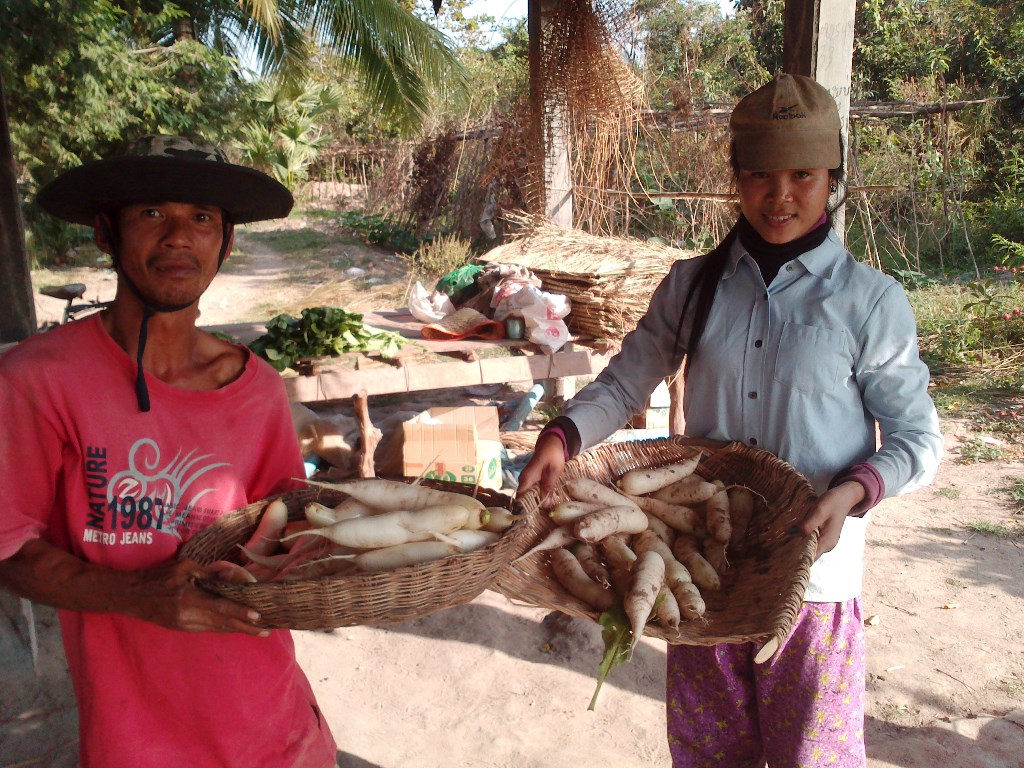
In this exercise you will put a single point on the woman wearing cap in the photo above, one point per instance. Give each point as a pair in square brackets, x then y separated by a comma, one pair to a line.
[794, 347]
[125, 434]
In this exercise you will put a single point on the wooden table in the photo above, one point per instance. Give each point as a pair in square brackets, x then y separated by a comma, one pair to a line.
[424, 365]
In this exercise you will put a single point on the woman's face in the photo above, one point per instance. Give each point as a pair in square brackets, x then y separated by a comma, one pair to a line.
[783, 205]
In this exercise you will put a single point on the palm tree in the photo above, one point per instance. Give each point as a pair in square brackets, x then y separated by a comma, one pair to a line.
[400, 59]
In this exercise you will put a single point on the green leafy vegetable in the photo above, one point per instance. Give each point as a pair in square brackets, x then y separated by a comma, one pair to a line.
[618, 645]
[321, 332]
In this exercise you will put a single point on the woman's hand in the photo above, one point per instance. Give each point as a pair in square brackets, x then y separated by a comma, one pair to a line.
[545, 467]
[830, 513]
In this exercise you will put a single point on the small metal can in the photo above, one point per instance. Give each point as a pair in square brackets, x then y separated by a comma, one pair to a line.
[515, 328]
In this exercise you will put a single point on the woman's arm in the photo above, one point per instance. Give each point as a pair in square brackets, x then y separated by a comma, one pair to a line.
[649, 354]
[894, 383]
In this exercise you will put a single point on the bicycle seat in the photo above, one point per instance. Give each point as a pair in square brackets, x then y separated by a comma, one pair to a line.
[65, 292]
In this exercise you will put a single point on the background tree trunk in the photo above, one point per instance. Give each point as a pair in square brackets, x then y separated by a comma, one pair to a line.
[17, 310]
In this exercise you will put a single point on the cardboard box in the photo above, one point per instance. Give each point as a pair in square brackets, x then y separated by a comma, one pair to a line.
[455, 444]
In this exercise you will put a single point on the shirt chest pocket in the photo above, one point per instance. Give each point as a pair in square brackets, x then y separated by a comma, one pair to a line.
[811, 359]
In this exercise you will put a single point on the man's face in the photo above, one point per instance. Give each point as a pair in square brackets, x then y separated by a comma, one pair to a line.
[170, 251]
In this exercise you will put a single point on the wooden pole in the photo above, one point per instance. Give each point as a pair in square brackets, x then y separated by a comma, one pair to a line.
[676, 419]
[818, 42]
[368, 434]
[17, 310]
[548, 124]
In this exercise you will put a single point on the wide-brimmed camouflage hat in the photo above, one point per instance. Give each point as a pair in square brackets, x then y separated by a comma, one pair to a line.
[165, 169]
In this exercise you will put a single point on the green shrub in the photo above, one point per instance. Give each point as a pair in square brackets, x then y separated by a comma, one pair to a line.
[382, 229]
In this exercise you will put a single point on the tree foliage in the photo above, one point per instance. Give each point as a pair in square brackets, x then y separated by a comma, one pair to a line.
[78, 84]
[85, 85]
[401, 62]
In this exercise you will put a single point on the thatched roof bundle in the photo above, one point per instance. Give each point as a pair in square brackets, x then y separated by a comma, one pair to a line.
[608, 280]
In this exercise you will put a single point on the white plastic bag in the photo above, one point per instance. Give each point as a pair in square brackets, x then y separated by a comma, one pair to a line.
[542, 312]
[428, 307]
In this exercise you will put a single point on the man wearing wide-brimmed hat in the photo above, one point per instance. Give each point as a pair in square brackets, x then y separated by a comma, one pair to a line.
[125, 434]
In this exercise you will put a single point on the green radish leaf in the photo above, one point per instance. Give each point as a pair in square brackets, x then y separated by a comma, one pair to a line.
[618, 645]
[319, 332]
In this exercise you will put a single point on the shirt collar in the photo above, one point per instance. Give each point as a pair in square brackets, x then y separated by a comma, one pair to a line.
[820, 261]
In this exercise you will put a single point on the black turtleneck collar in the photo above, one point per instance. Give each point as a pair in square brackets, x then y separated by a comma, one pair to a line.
[770, 257]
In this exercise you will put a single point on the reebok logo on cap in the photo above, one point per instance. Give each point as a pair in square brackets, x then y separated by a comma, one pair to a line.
[789, 113]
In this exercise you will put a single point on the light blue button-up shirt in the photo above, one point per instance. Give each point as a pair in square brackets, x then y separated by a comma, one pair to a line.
[803, 368]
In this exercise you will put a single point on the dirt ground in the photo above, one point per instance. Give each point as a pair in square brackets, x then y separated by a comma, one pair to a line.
[491, 683]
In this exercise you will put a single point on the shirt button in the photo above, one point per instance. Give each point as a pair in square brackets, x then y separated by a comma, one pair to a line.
[758, 344]
[752, 395]
[789, 267]
[752, 441]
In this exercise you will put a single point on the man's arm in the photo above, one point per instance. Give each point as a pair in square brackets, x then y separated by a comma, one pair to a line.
[166, 595]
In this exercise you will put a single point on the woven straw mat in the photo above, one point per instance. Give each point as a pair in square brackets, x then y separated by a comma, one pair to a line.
[762, 590]
[347, 600]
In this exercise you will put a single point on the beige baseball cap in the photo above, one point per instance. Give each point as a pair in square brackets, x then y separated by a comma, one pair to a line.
[791, 122]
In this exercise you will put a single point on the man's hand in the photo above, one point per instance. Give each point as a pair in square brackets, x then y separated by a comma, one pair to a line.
[169, 596]
[545, 467]
[830, 513]
[166, 595]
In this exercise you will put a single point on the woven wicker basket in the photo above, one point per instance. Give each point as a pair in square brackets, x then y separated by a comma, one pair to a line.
[346, 600]
[762, 590]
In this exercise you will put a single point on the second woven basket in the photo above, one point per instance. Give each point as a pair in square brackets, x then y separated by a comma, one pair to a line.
[762, 590]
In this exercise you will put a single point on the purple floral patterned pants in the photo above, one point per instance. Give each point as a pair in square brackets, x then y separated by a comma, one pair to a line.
[802, 709]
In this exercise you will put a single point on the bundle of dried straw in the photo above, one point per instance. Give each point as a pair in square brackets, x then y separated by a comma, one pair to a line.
[608, 280]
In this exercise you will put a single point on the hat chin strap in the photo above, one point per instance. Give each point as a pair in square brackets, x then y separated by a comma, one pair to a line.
[150, 308]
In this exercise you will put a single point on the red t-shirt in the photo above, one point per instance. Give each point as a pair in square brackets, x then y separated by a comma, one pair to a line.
[84, 469]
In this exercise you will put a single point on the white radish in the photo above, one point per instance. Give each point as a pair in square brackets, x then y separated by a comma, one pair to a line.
[688, 598]
[394, 495]
[401, 555]
[586, 489]
[570, 574]
[666, 609]
[661, 530]
[617, 552]
[315, 569]
[646, 578]
[319, 515]
[501, 519]
[717, 516]
[471, 541]
[741, 510]
[687, 551]
[714, 553]
[689, 490]
[390, 528]
[558, 537]
[674, 570]
[647, 480]
[676, 516]
[568, 511]
[267, 535]
[601, 524]
[591, 563]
